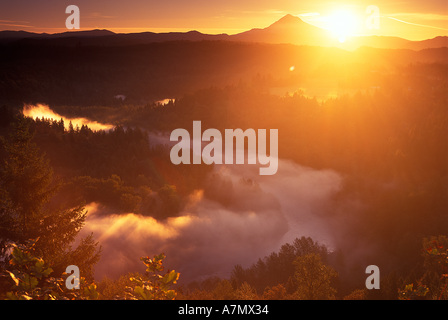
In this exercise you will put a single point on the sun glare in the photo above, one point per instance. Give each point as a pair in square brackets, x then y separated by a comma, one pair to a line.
[342, 24]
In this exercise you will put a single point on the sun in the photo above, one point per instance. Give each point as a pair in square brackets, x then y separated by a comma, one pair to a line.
[342, 24]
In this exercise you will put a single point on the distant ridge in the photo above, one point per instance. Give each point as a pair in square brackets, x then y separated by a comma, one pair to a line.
[292, 29]
[289, 29]
[83, 34]
[103, 37]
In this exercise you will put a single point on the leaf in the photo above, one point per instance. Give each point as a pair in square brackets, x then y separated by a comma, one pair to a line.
[154, 264]
[170, 277]
[47, 272]
[15, 296]
[40, 270]
[11, 296]
[409, 287]
[170, 294]
[39, 264]
[17, 256]
[13, 277]
[160, 257]
[139, 290]
[29, 282]
[91, 292]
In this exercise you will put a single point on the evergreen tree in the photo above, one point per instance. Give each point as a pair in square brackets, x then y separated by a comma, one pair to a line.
[26, 180]
[27, 186]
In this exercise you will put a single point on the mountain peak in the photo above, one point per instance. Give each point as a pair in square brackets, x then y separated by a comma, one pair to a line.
[287, 20]
[289, 17]
[289, 29]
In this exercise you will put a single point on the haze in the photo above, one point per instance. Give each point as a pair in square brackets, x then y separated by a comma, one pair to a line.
[414, 20]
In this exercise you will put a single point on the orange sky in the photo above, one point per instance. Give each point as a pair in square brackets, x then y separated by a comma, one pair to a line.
[412, 19]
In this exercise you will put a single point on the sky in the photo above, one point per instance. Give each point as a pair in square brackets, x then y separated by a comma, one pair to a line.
[412, 19]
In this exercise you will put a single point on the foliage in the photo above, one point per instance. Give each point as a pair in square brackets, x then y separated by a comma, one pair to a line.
[212, 288]
[126, 153]
[434, 282]
[411, 293]
[358, 294]
[223, 291]
[114, 289]
[314, 279]
[277, 268]
[120, 168]
[246, 292]
[26, 181]
[277, 292]
[31, 278]
[29, 207]
[153, 285]
[435, 253]
[250, 283]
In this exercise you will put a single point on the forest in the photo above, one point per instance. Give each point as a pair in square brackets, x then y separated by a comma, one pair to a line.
[384, 135]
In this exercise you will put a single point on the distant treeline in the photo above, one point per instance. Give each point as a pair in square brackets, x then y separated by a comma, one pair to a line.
[94, 75]
[119, 168]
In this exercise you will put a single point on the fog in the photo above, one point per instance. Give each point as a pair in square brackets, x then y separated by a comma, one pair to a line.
[43, 111]
[239, 217]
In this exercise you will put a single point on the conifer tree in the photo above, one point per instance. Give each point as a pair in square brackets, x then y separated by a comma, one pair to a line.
[27, 186]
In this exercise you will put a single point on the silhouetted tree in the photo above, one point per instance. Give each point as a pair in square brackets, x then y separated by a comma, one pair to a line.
[27, 186]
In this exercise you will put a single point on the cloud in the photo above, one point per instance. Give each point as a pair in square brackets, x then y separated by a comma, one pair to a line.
[418, 24]
[420, 16]
[238, 218]
[12, 23]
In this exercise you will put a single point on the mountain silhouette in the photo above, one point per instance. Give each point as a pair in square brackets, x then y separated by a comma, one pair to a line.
[289, 29]
[83, 34]
[292, 29]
